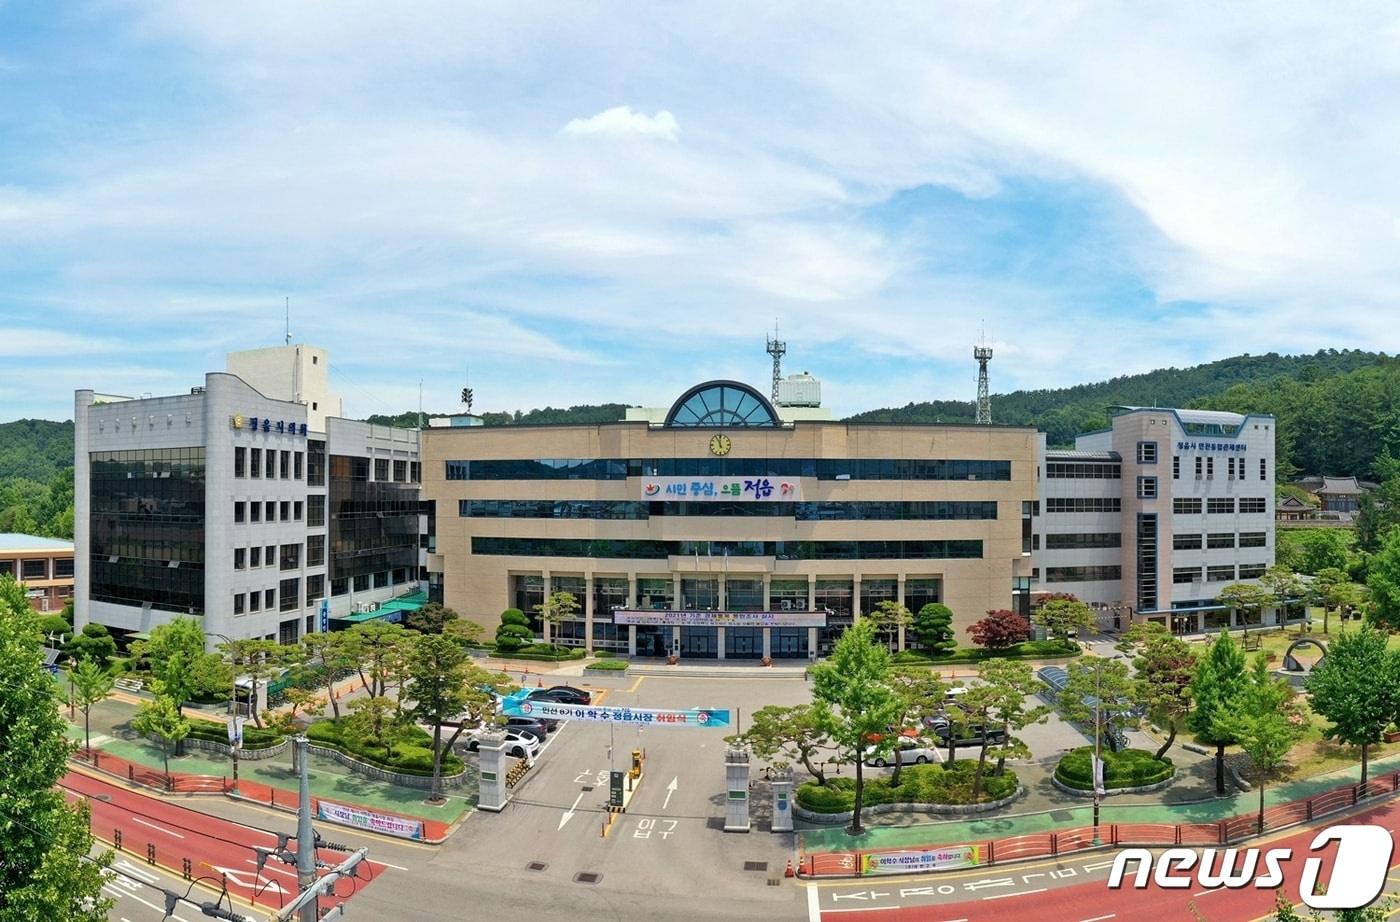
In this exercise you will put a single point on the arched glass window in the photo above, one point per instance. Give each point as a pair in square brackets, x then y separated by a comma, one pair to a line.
[722, 404]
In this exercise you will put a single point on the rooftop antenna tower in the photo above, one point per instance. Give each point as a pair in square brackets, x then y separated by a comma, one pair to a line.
[288, 304]
[983, 354]
[777, 350]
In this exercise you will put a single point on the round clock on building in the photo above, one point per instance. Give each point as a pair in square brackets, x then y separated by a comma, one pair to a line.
[720, 445]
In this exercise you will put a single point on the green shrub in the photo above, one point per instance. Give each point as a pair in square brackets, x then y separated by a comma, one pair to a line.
[1131, 768]
[611, 665]
[412, 748]
[603, 654]
[217, 732]
[918, 784]
[915, 657]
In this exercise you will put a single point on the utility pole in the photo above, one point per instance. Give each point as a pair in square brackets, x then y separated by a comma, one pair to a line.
[306, 837]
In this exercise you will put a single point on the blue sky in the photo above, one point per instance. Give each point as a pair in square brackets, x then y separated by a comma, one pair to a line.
[568, 203]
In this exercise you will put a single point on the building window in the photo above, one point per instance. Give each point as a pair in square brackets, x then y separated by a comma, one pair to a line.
[1186, 574]
[239, 558]
[315, 550]
[1199, 462]
[285, 462]
[1176, 467]
[1253, 539]
[271, 515]
[1147, 452]
[239, 599]
[255, 556]
[1218, 540]
[1210, 468]
[415, 472]
[315, 588]
[240, 462]
[400, 471]
[297, 508]
[1221, 574]
[1184, 541]
[284, 509]
[1186, 506]
[1253, 505]
[270, 557]
[35, 569]
[291, 557]
[1262, 472]
[270, 599]
[1225, 506]
[381, 469]
[290, 592]
[1251, 570]
[1083, 470]
[316, 511]
[296, 465]
[1083, 504]
[1072, 542]
[239, 511]
[1083, 574]
[255, 462]
[271, 464]
[63, 568]
[1147, 487]
[315, 463]
[255, 601]
[255, 512]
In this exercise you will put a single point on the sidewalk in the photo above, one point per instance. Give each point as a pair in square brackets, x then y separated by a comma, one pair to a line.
[119, 753]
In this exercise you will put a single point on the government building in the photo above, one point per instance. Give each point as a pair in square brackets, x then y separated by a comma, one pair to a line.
[729, 527]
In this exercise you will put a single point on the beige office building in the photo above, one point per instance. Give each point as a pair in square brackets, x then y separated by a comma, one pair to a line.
[728, 527]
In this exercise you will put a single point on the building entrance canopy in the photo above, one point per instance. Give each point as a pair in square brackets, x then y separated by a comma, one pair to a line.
[720, 618]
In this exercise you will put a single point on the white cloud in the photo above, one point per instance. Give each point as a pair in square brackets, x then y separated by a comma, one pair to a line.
[621, 121]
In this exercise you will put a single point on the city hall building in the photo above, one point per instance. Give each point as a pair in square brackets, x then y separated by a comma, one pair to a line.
[728, 526]
[1151, 518]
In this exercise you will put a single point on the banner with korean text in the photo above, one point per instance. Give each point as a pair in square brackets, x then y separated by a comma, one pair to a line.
[359, 818]
[521, 706]
[937, 859]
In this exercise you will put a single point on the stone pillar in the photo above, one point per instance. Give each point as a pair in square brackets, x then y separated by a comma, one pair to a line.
[768, 641]
[631, 640]
[492, 793]
[736, 778]
[781, 779]
[719, 643]
[588, 613]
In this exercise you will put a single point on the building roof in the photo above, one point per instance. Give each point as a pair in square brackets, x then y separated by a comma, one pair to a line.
[18, 542]
[1075, 455]
[1339, 486]
[1289, 503]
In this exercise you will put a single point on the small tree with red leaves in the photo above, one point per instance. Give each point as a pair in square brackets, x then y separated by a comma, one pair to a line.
[1000, 629]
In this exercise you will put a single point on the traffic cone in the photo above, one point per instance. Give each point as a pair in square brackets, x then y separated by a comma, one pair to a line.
[789, 872]
[539, 683]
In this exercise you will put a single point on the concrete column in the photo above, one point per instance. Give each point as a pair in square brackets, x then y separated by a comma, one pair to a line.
[492, 793]
[736, 777]
[588, 613]
[768, 641]
[719, 642]
[781, 779]
[631, 640]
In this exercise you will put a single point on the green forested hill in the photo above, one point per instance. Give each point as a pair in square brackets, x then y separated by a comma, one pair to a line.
[1337, 412]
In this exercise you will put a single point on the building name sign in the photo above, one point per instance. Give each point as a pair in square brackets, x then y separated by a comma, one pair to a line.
[266, 424]
[1210, 446]
[722, 489]
[660, 618]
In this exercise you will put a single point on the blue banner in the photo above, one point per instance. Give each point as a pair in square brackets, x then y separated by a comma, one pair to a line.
[521, 705]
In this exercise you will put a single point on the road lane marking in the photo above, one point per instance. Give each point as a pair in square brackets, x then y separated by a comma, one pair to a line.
[157, 828]
[1002, 896]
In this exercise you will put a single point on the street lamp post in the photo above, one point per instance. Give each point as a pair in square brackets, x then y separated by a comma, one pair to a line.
[235, 735]
[72, 709]
[1097, 768]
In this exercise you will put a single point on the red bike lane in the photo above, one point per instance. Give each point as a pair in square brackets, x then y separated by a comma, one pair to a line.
[196, 846]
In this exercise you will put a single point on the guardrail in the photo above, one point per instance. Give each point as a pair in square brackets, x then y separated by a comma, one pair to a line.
[1050, 844]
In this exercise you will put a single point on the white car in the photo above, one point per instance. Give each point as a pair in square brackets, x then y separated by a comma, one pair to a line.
[911, 752]
[520, 745]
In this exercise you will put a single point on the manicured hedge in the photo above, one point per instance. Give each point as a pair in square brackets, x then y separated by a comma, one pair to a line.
[412, 749]
[918, 784]
[608, 665]
[543, 653]
[1131, 768]
[217, 732]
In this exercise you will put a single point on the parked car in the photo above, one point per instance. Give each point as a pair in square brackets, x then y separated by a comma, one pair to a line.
[518, 744]
[967, 734]
[538, 727]
[564, 694]
[911, 752]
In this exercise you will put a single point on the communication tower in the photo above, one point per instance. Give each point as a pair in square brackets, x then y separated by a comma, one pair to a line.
[983, 354]
[777, 350]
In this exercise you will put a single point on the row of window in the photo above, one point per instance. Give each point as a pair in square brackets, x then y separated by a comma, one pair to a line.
[820, 468]
[1234, 468]
[269, 511]
[1083, 504]
[1074, 542]
[38, 568]
[267, 464]
[1226, 573]
[288, 557]
[638, 510]
[1083, 574]
[1083, 470]
[1220, 505]
[1195, 541]
[782, 550]
[287, 591]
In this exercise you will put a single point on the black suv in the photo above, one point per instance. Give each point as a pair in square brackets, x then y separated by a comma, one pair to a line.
[967, 734]
[562, 694]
